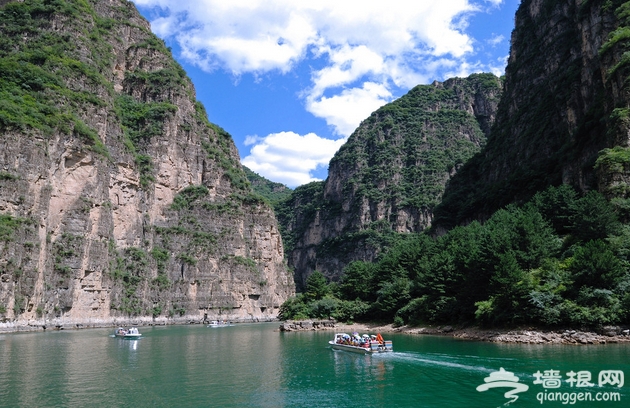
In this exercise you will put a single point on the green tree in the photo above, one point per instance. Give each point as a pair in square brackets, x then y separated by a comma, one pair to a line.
[510, 288]
[316, 286]
[546, 297]
[356, 281]
[461, 272]
[293, 308]
[556, 205]
[522, 231]
[323, 308]
[594, 265]
[349, 310]
[391, 297]
[593, 217]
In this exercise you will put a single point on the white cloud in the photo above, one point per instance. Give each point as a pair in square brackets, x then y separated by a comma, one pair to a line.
[361, 53]
[346, 110]
[354, 41]
[237, 35]
[289, 158]
[498, 67]
[495, 40]
[252, 139]
[347, 64]
[464, 69]
[263, 35]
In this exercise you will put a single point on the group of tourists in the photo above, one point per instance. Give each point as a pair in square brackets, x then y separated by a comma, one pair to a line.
[360, 341]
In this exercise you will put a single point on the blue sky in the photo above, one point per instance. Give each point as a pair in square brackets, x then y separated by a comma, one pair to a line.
[290, 80]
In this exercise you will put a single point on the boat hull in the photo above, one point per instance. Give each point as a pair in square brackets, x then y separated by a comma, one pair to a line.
[352, 349]
[342, 341]
[128, 336]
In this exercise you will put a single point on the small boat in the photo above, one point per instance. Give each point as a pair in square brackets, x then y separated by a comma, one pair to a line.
[361, 344]
[131, 333]
[219, 323]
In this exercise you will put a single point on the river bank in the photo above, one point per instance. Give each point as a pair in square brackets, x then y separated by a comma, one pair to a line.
[139, 321]
[609, 334]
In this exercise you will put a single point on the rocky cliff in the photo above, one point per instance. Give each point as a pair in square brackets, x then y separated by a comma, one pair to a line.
[564, 114]
[389, 176]
[118, 199]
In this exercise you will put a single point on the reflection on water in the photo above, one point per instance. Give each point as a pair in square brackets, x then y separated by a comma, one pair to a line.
[128, 344]
[126, 353]
[368, 368]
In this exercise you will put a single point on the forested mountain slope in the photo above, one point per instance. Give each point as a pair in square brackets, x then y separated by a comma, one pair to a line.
[389, 176]
[118, 198]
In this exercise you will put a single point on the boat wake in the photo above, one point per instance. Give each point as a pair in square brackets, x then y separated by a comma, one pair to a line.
[461, 363]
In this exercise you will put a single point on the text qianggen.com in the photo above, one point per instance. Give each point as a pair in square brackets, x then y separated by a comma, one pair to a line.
[572, 398]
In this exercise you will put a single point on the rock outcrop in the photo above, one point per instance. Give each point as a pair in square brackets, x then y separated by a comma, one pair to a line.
[607, 335]
[304, 325]
[389, 176]
[118, 198]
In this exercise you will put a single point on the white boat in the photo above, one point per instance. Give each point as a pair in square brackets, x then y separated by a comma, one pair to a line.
[131, 333]
[361, 344]
[219, 323]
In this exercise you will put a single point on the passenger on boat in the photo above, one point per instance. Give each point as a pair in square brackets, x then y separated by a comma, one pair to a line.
[365, 341]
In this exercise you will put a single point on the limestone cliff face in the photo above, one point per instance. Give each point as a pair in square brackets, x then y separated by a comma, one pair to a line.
[565, 105]
[118, 198]
[390, 174]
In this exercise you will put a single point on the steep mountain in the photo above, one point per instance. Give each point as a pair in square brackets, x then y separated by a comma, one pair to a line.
[389, 176]
[118, 199]
[563, 118]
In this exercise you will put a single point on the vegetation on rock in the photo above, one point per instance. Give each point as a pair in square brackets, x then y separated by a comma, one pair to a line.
[389, 175]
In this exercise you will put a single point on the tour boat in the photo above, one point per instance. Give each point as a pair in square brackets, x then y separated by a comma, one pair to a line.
[132, 333]
[219, 323]
[361, 344]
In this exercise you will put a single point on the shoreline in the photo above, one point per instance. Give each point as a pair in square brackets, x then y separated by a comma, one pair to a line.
[144, 321]
[609, 335]
[529, 335]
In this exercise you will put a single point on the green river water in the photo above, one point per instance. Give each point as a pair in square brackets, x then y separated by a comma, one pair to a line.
[255, 365]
